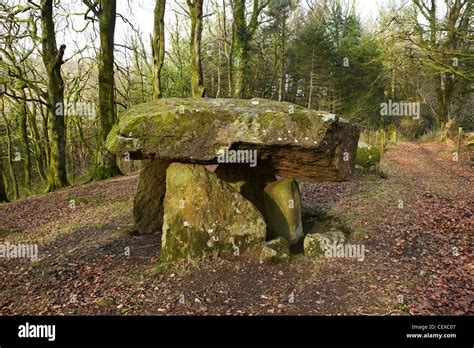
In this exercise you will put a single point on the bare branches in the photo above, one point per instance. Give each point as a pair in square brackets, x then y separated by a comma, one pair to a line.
[93, 6]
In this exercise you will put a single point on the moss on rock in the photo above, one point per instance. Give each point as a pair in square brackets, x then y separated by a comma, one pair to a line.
[315, 244]
[392, 133]
[275, 250]
[204, 214]
[301, 143]
[283, 210]
[367, 157]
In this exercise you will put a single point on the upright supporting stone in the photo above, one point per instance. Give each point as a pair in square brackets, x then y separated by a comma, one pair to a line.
[249, 182]
[283, 207]
[204, 215]
[148, 201]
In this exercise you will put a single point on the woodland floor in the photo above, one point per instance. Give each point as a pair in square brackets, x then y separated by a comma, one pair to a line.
[419, 258]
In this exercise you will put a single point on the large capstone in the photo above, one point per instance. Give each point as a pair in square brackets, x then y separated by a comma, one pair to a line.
[301, 143]
[283, 210]
[203, 215]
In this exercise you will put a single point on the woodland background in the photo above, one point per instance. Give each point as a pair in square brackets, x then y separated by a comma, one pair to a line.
[315, 53]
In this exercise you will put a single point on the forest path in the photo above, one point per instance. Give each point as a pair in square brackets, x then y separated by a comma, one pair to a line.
[416, 227]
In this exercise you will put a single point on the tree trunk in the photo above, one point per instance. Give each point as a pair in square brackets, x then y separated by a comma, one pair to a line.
[23, 117]
[195, 65]
[37, 143]
[10, 154]
[53, 59]
[241, 48]
[158, 47]
[105, 162]
[281, 93]
[242, 33]
[219, 78]
[3, 193]
[44, 131]
[311, 81]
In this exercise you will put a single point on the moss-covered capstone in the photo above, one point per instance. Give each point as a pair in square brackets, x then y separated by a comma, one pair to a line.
[203, 214]
[301, 143]
[283, 210]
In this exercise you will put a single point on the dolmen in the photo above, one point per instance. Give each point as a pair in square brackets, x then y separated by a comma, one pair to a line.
[262, 148]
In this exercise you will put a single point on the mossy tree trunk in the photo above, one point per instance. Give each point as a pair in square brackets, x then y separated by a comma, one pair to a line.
[241, 48]
[242, 34]
[3, 193]
[105, 162]
[45, 135]
[158, 47]
[53, 59]
[38, 146]
[283, 39]
[10, 153]
[195, 64]
[23, 118]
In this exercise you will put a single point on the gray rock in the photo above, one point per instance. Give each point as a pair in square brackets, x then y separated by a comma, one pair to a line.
[316, 244]
[275, 250]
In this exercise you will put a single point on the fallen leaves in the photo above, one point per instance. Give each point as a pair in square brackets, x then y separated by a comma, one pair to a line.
[422, 252]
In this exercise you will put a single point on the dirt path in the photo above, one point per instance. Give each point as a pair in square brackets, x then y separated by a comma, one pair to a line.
[416, 227]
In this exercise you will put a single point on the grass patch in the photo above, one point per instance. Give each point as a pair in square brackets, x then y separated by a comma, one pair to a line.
[86, 200]
[178, 267]
[402, 308]
[357, 233]
[105, 302]
[6, 231]
[130, 230]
